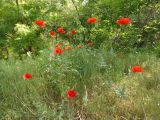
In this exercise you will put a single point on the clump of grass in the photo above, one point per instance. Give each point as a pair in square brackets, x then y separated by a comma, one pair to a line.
[106, 87]
[135, 96]
[20, 98]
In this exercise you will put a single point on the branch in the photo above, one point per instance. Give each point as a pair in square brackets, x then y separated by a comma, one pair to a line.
[73, 2]
[77, 12]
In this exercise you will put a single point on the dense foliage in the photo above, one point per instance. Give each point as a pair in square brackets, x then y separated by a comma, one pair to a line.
[19, 35]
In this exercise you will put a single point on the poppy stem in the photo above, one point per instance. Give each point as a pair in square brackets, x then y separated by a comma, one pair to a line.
[69, 110]
[89, 31]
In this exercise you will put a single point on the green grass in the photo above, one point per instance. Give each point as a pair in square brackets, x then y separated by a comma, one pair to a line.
[106, 87]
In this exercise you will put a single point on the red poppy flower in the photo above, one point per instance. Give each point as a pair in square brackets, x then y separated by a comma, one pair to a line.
[72, 32]
[137, 69]
[58, 50]
[27, 76]
[68, 47]
[71, 94]
[57, 44]
[61, 30]
[80, 46]
[40, 23]
[90, 43]
[52, 33]
[91, 20]
[123, 21]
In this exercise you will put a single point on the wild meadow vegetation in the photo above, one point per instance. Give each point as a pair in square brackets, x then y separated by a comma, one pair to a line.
[79, 60]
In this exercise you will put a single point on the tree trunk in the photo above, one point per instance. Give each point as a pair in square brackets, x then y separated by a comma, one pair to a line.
[17, 3]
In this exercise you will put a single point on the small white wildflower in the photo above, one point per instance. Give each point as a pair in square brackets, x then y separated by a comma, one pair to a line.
[29, 53]
[22, 29]
[85, 3]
